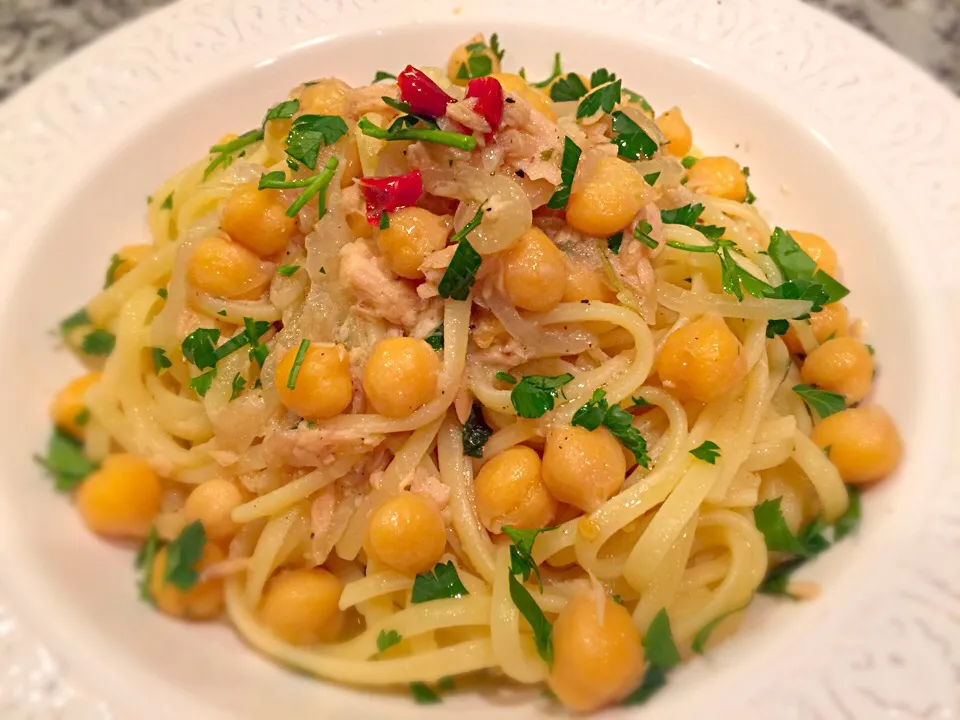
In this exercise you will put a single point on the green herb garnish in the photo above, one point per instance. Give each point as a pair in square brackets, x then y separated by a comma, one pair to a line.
[387, 639]
[632, 141]
[160, 359]
[568, 168]
[442, 582]
[708, 451]
[604, 98]
[822, 402]
[287, 270]
[309, 133]
[440, 137]
[98, 342]
[533, 395]
[183, 554]
[297, 363]
[475, 432]
[65, 461]
[223, 153]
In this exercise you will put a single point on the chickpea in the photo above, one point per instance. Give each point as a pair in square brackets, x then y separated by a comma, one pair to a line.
[324, 97]
[534, 272]
[460, 56]
[130, 256]
[301, 606]
[718, 176]
[400, 376]
[510, 491]
[517, 85]
[69, 403]
[863, 443]
[826, 324]
[257, 219]
[608, 200]
[405, 532]
[586, 283]
[702, 360]
[323, 387]
[597, 656]
[413, 234]
[678, 133]
[121, 498]
[842, 365]
[225, 269]
[211, 503]
[204, 601]
[581, 467]
[818, 249]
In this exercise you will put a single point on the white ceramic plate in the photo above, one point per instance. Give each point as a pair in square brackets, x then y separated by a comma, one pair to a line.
[843, 138]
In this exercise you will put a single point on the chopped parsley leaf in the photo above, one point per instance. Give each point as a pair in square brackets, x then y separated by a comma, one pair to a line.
[642, 231]
[80, 318]
[199, 347]
[554, 74]
[383, 75]
[162, 293]
[282, 110]
[568, 168]
[686, 215]
[658, 645]
[98, 342]
[604, 98]
[201, 383]
[287, 270]
[423, 695]
[597, 411]
[770, 522]
[115, 262]
[614, 242]
[386, 639]
[435, 338]
[533, 396]
[822, 402]
[144, 562]
[461, 273]
[65, 461]
[309, 133]
[542, 629]
[777, 327]
[689, 161]
[442, 582]
[653, 679]
[632, 141]
[505, 377]
[183, 554]
[384, 220]
[297, 363]
[708, 451]
[568, 87]
[160, 359]
[521, 552]
[475, 432]
[237, 386]
[167, 202]
[472, 224]
[700, 639]
[651, 178]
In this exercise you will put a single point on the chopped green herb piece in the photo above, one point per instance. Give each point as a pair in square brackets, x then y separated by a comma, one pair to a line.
[777, 327]
[282, 110]
[475, 432]
[614, 242]
[162, 293]
[435, 338]
[777, 580]
[601, 77]
[167, 202]
[237, 386]
[617, 599]
[115, 262]
[597, 411]
[317, 186]
[65, 461]
[770, 522]
[297, 362]
[461, 273]
[222, 313]
[80, 318]
[383, 75]
[556, 72]
[568, 168]
[82, 417]
[472, 224]
[98, 342]
[309, 133]
[686, 215]
[632, 141]
[201, 383]
[533, 396]
[478, 63]
[384, 220]
[258, 353]
[688, 162]
[387, 639]
[651, 179]
[223, 154]
[521, 552]
[428, 134]
[423, 695]
[277, 179]
[637, 98]
[822, 402]
[639, 401]
[658, 644]
[287, 270]
[542, 629]
[183, 554]
[568, 87]
[604, 98]
[160, 359]
[505, 377]
[144, 562]
[642, 232]
[700, 639]
[442, 582]
[708, 451]
[200, 347]
[445, 683]
[653, 679]
[495, 46]
[799, 269]
[850, 520]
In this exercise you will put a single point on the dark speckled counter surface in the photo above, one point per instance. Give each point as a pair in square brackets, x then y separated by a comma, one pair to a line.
[34, 34]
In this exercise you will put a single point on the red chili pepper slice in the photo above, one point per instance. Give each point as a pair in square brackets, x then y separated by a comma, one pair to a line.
[423, 95]
[391, 193]
[489, 94]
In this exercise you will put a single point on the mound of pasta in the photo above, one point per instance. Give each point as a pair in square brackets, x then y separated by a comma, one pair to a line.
[460, 377]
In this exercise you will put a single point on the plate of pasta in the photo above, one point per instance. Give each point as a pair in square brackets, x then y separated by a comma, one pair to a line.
[459, 367]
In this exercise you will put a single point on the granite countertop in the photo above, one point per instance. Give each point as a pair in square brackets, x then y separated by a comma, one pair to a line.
[34, 34]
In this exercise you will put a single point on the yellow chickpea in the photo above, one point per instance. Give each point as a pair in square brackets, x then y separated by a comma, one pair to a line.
[324, 97]
[413, 234]
[581, 467]
[702, 360]
[608, 200]
[225, 269]
[597, 656]
[68, 404]
[323, 386]
[863, 443]
[257, 219]
[586, 283]
[203, 601]
[534, 272]
[130, 256]
[532, 96]
[457, 64]
[818, 249]
[405, 532]
[842, 365]
[301, 606]
[510, 491]
[400, 376]
[211, 503]
[718, 176]
[678, 133]
[121, 498]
